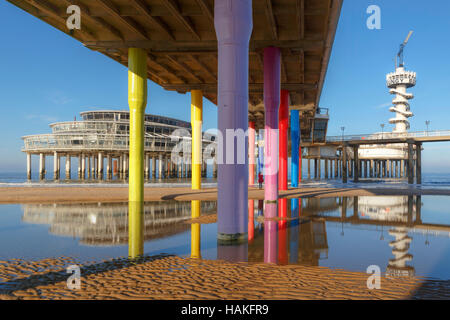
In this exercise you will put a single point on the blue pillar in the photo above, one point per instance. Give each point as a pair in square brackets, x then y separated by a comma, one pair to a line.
[260, 152]
[295, 145]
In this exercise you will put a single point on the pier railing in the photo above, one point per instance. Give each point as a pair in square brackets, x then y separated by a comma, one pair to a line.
[85, 142]
[389, 135]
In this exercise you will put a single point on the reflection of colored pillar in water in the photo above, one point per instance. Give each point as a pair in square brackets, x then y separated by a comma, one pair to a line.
[251, 219]
[272, 58]
[135, 229]
[251, 153]
[195, 230]
[283, 124]
[233, 24]
[237, 252]
[293, 234]
[137, 100]
[270, 234]
[282, 232]
[294, 148]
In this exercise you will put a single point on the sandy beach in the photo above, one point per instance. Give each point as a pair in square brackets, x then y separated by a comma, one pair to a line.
[170, 277]
[61, 194]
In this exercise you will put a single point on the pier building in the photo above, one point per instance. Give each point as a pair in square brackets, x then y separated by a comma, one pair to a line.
[103, 137]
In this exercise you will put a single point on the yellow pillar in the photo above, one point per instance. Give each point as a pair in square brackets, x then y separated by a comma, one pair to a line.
[196, 123]
[137, 100]
[195, 230]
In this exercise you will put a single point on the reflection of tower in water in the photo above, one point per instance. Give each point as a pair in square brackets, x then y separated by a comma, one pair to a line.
[397, 209]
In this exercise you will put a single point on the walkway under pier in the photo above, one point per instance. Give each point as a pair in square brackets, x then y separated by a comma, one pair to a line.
[60, 194]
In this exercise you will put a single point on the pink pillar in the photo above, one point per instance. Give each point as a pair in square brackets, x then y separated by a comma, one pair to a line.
[233, 24]
[270, 234]
[272, 69]
[251, 153]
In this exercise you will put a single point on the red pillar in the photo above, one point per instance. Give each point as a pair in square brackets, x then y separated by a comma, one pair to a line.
[283, 124]
[282, 232]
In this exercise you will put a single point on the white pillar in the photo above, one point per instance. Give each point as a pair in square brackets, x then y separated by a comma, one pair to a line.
[41, 166]
[29, 166]
[68, 164]
[100, 166]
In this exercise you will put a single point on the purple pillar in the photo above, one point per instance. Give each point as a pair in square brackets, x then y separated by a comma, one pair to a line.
[272, 85]
[233, 23]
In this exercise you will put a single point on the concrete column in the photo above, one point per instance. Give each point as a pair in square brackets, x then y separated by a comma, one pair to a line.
[355, 164]
[108, 166]
[410, 163]
[93, 168]
[83, 166]
[309, 169]
[153, 167]
[95, 159]
[215, 167]
[41, 166]
[79, 166]
[336, 168]
[55, 166]
[233, 24]
[319, 169]
[100, 166]
[88, 166]
[29, 166]
[68, 166]
[125, 166]
[147, 166]
[385, 172]
[402, 168]
[326, 168]
[316, 170]
[418, 163]
[161, 167]
[344, 163]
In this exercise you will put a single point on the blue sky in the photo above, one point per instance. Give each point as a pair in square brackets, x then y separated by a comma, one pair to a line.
[46, 76]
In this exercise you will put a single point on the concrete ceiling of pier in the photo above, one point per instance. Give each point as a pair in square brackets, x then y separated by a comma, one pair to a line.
[180, 39]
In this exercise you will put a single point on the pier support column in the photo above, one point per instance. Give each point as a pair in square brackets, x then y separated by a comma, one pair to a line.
[344, 163]
[92, 161]
[153, 167]
[355, 164]
[326, 168]
[295, 152]
[88, 166]
[418, 163]
[272, 60]
[100, 166]
[109, 167]
[319, 168]
[309, 169]
[137, 101]
[251, 153]
[233, 24]
[68, 166]
[160, 167]
[41, 166]
[196, 145]
[147, 166]
[214, 167]
[55, 166]
[410, 163]
[283, 124]
[28, 166]
[83, 166]
[336, 168]
[79, 166]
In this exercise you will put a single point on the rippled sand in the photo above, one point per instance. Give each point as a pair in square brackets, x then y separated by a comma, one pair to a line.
[171, 277]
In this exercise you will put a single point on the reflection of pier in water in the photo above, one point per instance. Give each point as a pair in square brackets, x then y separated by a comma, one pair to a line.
[107, 223]
[305, 240]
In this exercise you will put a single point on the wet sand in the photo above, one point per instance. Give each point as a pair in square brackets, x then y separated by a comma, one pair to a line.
[170, 277]
[61, 194]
